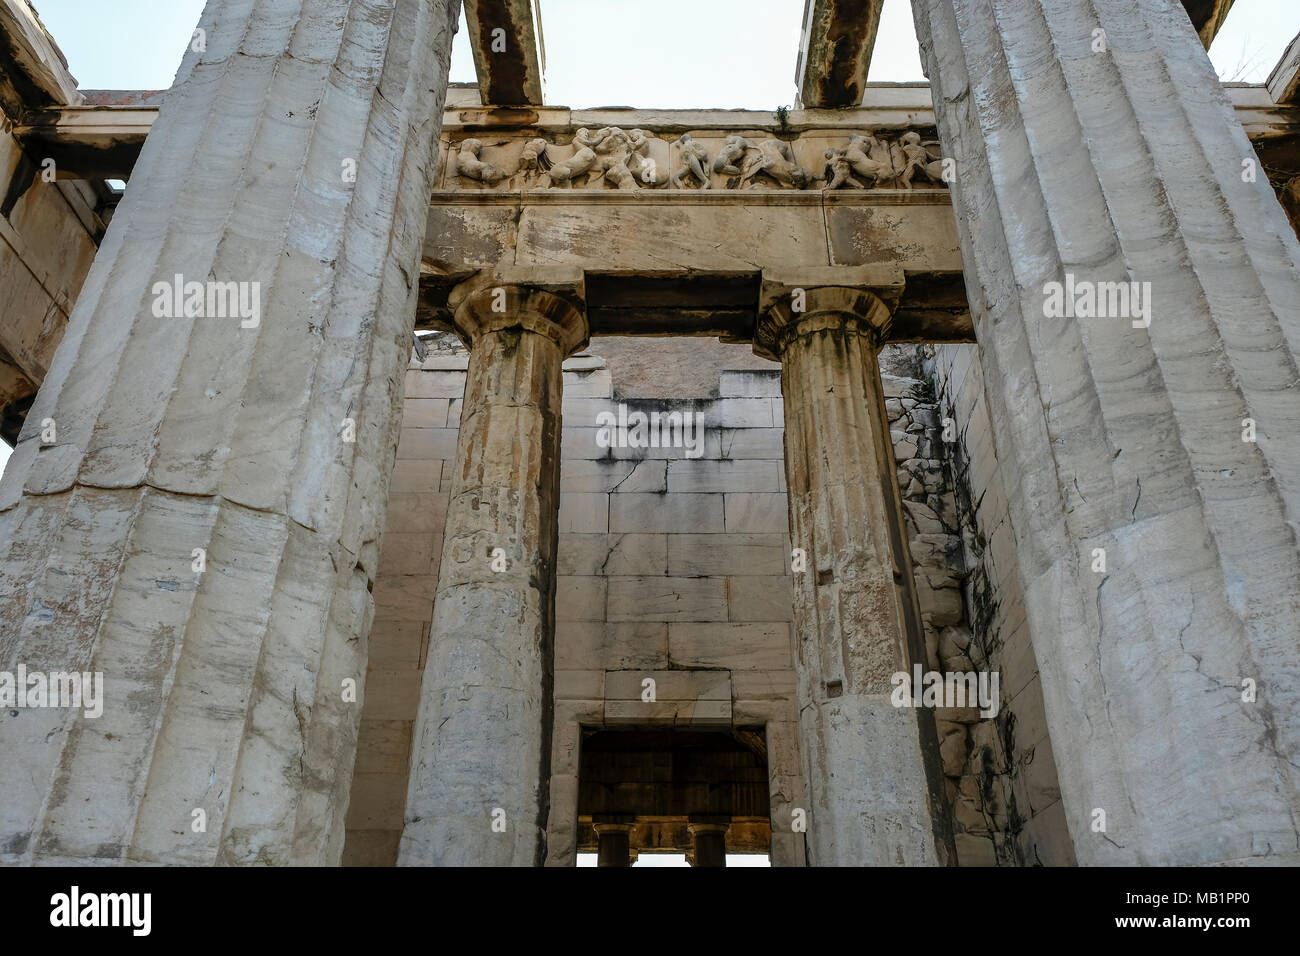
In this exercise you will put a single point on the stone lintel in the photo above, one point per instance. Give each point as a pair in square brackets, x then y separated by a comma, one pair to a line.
[33, 72]
[87, 142]
[1284, 82]
[1207, 17]
[835, 51]
[509, 56]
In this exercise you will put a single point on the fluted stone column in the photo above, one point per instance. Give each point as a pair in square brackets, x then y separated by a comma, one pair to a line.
[871, 769]
[481, 753]
[1093, 140]
[202, 523]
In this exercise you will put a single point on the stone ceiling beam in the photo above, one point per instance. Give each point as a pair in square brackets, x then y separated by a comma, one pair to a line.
[88, 142]
[509, 55]
[835, 51]
[1207, 17]
[32, 70]
[1284, 82]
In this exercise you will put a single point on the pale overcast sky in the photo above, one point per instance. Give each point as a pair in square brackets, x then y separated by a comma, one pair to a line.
[667, 54]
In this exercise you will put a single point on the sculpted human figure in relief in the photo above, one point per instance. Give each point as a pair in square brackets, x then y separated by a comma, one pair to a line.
[869, 158]
[918, 159]
[695, 160]
[471, 167]
[775, 159]
[643, 166]
[730, 154]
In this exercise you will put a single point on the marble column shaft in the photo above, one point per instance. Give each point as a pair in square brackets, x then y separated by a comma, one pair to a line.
[202, 524]
[1093, 143]
[870, 768]
[481, 753]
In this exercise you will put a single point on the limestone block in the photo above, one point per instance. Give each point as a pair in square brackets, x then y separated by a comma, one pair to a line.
[435, 384]
[593, 384]
[612, 554]
[750, 383]
[678, 685]
[417, 513]
[760, 598]
[756, 512]
[428, 444]
[612, 646]
[584, 412]
[691, 555]
[384, 746]
[714, 477]
[740, 413]
[607, 475]
[763, 646]
[743, 443]
[921, 237]
[419, 477]
[377, 800]
[392, 694]
[584, 513]
[704, 713]
[424, 413]
[371, 847]
[579, 684]
[406, 597]
[666, 599]
[396, 644]
[409, 553]
[662, 513]
[580, 598]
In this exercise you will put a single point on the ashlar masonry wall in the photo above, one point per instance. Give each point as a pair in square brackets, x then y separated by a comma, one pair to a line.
[668, 563]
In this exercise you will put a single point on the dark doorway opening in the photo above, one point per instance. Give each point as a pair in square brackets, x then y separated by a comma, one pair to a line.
[701, 793]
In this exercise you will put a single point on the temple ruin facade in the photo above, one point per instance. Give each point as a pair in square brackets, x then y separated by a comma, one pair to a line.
[435, 475]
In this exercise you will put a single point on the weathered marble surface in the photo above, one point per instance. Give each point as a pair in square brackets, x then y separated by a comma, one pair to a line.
[225, 685]
[1115, 165]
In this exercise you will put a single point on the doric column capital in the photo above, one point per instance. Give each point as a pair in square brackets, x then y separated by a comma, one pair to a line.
[551, 303]
[858, 301]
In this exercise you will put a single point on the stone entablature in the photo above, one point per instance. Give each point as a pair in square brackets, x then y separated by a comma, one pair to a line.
[612, 157]
[890, 145]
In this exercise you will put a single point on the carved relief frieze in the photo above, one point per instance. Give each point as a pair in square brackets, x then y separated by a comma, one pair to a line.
[637, 159]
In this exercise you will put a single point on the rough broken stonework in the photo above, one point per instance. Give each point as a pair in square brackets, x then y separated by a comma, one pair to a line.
[716, 423]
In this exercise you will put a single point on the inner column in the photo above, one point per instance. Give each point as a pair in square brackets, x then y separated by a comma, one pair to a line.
[480, 756]
[873, 786]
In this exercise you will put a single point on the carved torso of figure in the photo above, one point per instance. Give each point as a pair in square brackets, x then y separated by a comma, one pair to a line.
[869, 158]
[471, 167]
[775, 159]
[919, 159]
[694, 159]
[839, 170]
[732, 151]
[582, 160]
[641, 163]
